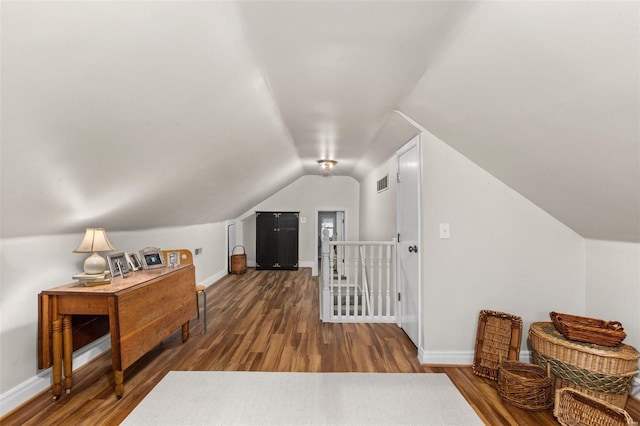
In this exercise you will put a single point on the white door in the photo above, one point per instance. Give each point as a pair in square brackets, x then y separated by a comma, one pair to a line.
[409, 239]
[231, 243]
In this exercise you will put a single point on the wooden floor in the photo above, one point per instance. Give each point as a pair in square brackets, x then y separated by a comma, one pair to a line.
[264, 321]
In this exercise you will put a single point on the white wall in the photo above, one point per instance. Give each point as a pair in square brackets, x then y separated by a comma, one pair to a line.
[307, 195]
[613, 285]
[378, 210]
[504, 254]
[33, 264]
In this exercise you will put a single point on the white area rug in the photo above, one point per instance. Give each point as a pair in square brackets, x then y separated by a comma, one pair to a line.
[292, 399]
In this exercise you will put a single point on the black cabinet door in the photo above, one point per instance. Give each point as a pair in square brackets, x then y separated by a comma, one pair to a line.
[287, 245]
[276, 240]
[266, 232]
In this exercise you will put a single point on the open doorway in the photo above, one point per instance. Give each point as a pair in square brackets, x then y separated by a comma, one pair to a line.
[334, 222]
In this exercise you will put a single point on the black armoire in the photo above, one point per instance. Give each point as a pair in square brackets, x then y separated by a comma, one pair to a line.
[277, 240]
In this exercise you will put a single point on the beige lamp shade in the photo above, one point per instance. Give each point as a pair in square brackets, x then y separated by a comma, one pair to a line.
[95, 240]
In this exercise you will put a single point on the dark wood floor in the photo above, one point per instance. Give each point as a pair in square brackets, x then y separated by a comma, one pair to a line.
[264, 321]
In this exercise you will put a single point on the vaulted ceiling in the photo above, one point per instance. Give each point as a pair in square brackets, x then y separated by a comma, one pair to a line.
[134, 115]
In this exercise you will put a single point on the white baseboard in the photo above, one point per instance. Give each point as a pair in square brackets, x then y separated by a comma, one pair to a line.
[456, 357]
[445, 357]
[302, 263]
[310, 264]
[466, 358]
[215, 277]
[26, 390]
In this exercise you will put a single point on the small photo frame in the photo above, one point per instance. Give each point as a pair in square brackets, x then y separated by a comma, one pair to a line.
[173, 259]
[151, 258]
[118, 265]
[134, 261]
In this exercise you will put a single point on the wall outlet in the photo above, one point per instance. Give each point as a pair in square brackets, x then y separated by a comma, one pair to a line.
[444, 231]
[198, 250]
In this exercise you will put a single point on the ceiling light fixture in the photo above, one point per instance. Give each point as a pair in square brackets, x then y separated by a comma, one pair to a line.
[327, 164]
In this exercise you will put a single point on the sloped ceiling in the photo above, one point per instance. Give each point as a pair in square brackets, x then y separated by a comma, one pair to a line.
[546, 97]
[133, 115]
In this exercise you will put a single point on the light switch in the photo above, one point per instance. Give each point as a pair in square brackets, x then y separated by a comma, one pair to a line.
[444, 231]
[303, 219]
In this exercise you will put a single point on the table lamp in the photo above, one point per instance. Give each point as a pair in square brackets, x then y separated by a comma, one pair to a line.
[95, 241]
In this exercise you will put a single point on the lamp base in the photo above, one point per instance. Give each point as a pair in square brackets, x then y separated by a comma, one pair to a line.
[95, 264]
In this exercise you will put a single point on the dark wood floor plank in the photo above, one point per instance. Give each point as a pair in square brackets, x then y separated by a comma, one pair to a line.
[264, 321]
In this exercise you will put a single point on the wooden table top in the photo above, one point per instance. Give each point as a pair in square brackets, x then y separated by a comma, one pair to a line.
[117, 284]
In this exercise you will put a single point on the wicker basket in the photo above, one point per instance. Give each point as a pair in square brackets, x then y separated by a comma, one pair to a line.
[525, 385]
[598, 371]
[498, 339]
[575, 408]
[238, 261]
[589, 330]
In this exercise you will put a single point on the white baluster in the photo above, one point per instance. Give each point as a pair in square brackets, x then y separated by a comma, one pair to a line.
[353, 284]
[353, 271]
[380, 313]
[388, 290]
[326, 293]
[372, 292]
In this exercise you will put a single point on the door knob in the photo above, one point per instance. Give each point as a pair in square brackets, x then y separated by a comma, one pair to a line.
[413, 249]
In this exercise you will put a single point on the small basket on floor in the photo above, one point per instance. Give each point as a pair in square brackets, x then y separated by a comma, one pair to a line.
[525, 385]
[575, 408]
[238, 261]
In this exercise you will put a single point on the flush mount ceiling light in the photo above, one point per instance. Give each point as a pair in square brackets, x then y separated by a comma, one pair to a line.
[327, 164]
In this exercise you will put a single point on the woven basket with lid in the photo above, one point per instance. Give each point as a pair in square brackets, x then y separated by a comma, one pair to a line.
[599, 371]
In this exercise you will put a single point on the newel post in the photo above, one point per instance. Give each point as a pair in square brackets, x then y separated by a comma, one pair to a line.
[325, 296]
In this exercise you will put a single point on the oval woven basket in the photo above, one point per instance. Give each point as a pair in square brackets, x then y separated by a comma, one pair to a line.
[525, 385]
[599, 371]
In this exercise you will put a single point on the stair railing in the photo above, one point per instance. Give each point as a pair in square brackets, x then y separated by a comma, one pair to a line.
[359, 285]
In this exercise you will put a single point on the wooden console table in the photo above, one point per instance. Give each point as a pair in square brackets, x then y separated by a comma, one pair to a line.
[143, 309]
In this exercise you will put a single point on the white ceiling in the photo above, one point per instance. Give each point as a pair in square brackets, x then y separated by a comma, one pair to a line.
[134, 115]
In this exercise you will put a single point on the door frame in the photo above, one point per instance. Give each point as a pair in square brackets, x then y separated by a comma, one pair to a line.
[315, 269]
[229, 244]
[413, 143]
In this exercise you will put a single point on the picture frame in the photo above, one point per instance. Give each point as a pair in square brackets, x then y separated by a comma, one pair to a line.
[134, 261]
[118, 265]
[151, 258]
[173, 259]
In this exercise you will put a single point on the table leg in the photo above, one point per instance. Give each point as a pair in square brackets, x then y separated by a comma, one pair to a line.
[119, 383]
[56, 369]
[185, 332]
[67, 355]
